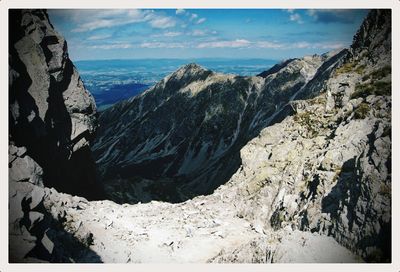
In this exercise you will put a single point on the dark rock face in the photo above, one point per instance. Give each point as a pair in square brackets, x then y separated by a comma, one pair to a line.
[52, 119]
[52, 115]
[374, 34]
[182, 137]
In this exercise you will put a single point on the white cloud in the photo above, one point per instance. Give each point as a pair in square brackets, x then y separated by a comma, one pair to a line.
[161, 45]
[162, 22]
[94, 25]
[296, 18]
[172, 34]
[201, 20]
[202, 32]
[99, 37]
[242, 43]
[193, 16]
[267, 44]
[112, 46]
[312, 13]
[238, 43]
[198, 32]
[88, 20]
[302, 45]
[321, 45]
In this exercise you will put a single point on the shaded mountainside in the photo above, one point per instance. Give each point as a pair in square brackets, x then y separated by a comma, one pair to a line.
[303, 180]
[182, 137]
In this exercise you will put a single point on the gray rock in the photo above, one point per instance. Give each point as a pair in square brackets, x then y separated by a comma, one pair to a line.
[304, 247]
[25, 169]
[20, 245]
[53, 115]
[52, 121]
[36, 197]
[47, 243]
[35, 217]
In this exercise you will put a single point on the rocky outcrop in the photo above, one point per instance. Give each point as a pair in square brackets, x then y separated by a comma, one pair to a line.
[52, 119]
[327, 168]
[373, 40]
[182, 137]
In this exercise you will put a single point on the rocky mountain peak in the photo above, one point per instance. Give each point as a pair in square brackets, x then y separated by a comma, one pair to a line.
[374, 35]
[189, 72]
[192, 67]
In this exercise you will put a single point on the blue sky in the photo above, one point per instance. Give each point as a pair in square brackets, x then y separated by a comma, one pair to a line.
[204, 33]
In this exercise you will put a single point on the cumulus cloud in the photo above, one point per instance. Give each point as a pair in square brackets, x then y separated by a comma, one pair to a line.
[99, 37]
[198, 32]
[295, 17]
[172, 34]
[201, 20]
[242, 43]
[323, 45]
[202, 32]
[112, 46]
[238, 43]
[267, 44]
[161, 45]
[162, 22]
[88, 20]
[193, 16]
